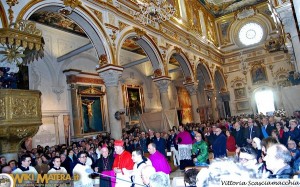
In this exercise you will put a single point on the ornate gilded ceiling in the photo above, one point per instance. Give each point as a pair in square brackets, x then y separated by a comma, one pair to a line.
[222, 7]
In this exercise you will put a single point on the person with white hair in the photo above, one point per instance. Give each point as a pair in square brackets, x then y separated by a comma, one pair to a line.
[147, 171]
[159, 179]
[256, 144]
[221, 169]
[277, 160]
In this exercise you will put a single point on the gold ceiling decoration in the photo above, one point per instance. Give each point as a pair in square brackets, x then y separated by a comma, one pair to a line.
[153, 11]
[20, 40]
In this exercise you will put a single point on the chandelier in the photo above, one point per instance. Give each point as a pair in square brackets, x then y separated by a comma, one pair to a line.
[21, 42]
[154, 11]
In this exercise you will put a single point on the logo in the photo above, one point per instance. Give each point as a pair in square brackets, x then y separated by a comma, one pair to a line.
[6, 180]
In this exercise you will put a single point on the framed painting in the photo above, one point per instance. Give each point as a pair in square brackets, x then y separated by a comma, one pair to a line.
[258, 74]
[92, 109]
[240, 93]
[134, 102]
[242, 105]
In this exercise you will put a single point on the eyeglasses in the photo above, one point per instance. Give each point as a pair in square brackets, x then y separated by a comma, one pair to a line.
[83, 157]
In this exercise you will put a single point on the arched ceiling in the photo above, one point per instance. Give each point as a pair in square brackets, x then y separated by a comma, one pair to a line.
[222, 7]
[132, 55]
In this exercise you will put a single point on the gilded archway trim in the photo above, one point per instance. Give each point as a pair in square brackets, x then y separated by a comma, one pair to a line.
[140, 34]
[3, 16]
[83, 10]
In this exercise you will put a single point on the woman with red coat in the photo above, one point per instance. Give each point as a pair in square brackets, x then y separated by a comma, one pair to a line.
[230, 142]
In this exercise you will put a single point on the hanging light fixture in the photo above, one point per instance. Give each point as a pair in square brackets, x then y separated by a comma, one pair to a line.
[154, 11]
[21, 42]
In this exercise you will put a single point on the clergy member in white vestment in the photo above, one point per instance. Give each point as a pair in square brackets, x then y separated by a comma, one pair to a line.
[56, 169]
[83, 171]
[26, 168]
[139, 163]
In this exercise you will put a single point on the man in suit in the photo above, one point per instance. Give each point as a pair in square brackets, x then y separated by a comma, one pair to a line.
[266, 129]
[238, 133]
[251, 131]
[160, 143]
[173, 147]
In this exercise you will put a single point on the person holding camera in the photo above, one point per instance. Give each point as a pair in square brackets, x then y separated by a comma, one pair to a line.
[200, 151]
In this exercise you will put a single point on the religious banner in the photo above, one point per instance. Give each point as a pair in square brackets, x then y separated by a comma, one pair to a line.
[185, 105]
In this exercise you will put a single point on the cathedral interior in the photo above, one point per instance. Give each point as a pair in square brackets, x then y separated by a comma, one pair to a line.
[105, 65]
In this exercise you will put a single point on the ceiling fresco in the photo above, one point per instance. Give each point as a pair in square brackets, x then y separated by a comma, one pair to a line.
[222, 7]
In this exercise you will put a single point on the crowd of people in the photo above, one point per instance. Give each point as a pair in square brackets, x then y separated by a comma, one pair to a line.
[266, 145]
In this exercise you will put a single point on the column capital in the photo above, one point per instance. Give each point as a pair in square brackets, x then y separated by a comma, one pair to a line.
[192, 88]
[162, 83]
[110, 74]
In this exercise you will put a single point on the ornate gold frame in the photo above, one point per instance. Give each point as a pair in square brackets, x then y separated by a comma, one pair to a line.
[127, 101]
[92, 92]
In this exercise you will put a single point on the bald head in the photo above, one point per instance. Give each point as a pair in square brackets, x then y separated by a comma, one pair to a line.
[6, 169]
[147, 171]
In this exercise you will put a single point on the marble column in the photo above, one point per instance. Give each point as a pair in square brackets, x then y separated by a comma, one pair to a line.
[212, 95]
[75, 111]
[110, 75]
[163, 84]
[293, 43]
[192, 89]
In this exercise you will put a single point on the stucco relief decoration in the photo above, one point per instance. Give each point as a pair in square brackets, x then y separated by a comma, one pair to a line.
[188, 79]
[70, 6]
[24, 107]
[281, 77]
[103, 60]
[2, 108]
[122, 25]
[157, 73]
[178, 49]
[275, 44]
[238, 82]
[246, 13]
[139, 32]
[209, 86]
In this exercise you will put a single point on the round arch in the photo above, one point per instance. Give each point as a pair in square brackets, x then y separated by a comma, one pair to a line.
[219, 80]
[146, 43]
[184, 62]
[203, 71]
[92, 27]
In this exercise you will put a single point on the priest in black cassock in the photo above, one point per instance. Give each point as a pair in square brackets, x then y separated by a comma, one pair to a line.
[104, 165]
